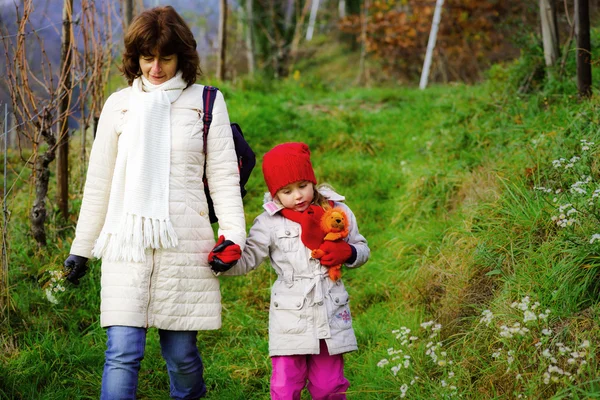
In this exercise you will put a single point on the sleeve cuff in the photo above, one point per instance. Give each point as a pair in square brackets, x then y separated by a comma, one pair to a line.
[352, 258]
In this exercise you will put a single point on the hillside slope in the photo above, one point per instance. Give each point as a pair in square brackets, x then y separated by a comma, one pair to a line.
[482, 282]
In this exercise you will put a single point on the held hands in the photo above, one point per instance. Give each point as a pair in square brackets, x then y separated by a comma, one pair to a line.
[224, 255]
[75, 268]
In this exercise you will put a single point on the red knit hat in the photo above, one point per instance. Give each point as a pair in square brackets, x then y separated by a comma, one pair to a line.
[287, 163]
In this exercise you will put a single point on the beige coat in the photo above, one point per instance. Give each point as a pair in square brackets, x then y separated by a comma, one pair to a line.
[174, 288]
[305, 304]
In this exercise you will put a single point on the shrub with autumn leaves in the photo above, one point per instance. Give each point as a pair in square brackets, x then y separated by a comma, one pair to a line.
[473, 34]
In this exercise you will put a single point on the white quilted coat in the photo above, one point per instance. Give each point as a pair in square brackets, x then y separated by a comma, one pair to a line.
[306, 305]
[174, 288]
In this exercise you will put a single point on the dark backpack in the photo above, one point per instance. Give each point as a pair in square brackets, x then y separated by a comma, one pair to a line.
[245, 155]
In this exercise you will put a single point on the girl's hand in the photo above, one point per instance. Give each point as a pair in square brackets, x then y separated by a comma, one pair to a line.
[336, 253]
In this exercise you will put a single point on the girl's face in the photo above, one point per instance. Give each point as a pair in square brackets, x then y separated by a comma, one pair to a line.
[158, 69]
[296, 196]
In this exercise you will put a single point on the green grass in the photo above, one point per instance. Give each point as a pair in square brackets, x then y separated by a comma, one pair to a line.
[442, 183]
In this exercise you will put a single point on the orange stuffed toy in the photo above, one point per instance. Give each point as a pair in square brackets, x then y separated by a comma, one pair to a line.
[335, 225]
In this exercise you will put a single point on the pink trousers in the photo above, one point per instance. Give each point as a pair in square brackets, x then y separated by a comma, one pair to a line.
[324, 372]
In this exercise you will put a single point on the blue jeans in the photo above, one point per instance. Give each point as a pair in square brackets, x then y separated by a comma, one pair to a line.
[125, 351]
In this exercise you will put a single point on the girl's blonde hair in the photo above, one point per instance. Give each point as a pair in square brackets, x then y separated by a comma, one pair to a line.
[319, 199]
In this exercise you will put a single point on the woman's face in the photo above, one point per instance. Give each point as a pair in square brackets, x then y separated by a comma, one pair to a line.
[158, 69]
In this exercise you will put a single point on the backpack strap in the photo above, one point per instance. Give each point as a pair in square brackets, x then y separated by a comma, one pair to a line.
[209, 94]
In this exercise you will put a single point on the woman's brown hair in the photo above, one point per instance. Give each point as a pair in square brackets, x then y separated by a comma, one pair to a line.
[160, 31]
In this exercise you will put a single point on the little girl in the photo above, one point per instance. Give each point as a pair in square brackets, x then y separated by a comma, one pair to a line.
[310, 325]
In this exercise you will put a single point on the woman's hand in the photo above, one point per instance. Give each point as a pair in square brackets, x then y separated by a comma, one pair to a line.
[75, 268]
[224, 255]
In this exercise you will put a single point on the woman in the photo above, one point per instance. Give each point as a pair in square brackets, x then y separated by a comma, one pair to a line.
[144, 210]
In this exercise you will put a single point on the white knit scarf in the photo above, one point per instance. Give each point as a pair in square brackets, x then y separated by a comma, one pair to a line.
[138, 209]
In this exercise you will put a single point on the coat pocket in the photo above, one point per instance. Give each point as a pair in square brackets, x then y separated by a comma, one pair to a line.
[288, 239]
[288, 314]
[340, 316]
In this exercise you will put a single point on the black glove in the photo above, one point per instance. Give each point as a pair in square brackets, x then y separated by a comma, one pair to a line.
[75, 268]
[224, 255]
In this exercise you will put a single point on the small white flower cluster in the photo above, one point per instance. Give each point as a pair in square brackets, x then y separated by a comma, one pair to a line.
[585, 145]
[562, 363]
[595, 195]
[579, 186]
[595, 236]
[563, 163]
[577, 358]
[54, 286]
[398, 360]
[563, 219]
[516, 329]
[402, 335]
[435, 328]
[539, 140]
[486, 317]
[529, 309]
[543, 189]
[581, 191]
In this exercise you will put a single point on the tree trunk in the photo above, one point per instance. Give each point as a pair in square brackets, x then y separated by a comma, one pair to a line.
[363, 74]
[249, 38]
[64, 94]
[41, 179]
[342, 9]
[222, 40]
[4, 285]
[83, 127]
[297, 35]
[549, 31]
[312, 20]
[437, 16]
[289, 14]
[584, 55]
[127, 12]
[95, 120]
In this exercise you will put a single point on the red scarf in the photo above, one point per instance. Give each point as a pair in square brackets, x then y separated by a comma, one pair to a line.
[310, 221]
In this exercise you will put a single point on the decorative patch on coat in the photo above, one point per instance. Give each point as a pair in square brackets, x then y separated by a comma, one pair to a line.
[344, 316]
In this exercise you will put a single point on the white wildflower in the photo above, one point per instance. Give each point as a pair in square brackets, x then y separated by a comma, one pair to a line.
[529, 316]
[546, 378]
[383, 362]
[403, 390]
[486, 317]
[546, 332]
[50, 296]
[546, 353]
[427, 324]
